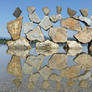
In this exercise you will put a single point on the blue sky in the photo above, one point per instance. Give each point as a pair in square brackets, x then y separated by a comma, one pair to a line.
[7, 7]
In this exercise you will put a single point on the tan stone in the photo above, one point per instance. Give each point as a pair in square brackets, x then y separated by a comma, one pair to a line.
[46, 11]
[14, 67]
[84, 12]
[71, 24]
[45, 84]
[58, 86]
[83, 83]
[59, 9]
[58, 61]
[84, 60]
[58, 34]
[31, 9]
[14, 28]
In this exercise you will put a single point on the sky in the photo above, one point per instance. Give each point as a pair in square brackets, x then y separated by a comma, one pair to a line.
[7, 7]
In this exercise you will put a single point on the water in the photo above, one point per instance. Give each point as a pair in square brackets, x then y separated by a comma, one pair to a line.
[26, 71]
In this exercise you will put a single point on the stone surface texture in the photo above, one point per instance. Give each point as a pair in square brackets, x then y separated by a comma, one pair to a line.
[59, 9]
[46, 11]
[31, 9]
[84, 12]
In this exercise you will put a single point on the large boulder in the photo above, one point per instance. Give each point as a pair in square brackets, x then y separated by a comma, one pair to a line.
[46, 11]
[47, 47]
[45, 23]
[14, 28]
[84, 36]
[21, 44]
[35, 35]
[71, 23]
[84, 12]
[58, 34]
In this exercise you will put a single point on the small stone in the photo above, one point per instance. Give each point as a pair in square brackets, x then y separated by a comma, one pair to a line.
[58, 61]
[71, 12]
[90, 49]
[83, 83]
[31, 85]
[58, 86]
[17, 12]
[59, 9]
[20, 44]
[46, 11]
[84, 36]
[45, 84]
[45, 23]
[84, 12]
[58, 34]
[71, 24]
[84, 60]
[31, 9]
[34, 18]
[14, 28]
[35, 35]
[35, 61]
[28, 27]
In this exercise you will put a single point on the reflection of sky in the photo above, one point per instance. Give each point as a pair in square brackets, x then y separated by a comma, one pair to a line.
[8, 6]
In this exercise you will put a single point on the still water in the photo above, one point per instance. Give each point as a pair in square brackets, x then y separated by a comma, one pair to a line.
[26, 71]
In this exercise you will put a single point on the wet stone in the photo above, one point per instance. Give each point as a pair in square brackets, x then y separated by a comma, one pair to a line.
[59, 9]
[84, 12]
[46, 11]
[14, 28]
[35, 35]
[71, 12]
[45, 23]
[28, 27]
[34, 18]
[17, 12]
[31, 9]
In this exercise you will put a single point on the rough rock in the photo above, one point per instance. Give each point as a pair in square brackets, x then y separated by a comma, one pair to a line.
[27, 69]
[35, 35]
[14, 67]
[58, 34]
[45, 72]
[55, 18]
[14, 28]
[21, 44]
[84, 36]
[58, 86]
[58, 61]
[45, 84]
[17, 12]
[59, 9]
[84, 60]
[28, 27]
[46, 11]
[34, 18]
[71, 24]
[31, 85]
[31, 9]
[83, 83]
[45, 23]
[47, 47]
[84, 12]
[20, 53]
[35, 61]
[71, 12]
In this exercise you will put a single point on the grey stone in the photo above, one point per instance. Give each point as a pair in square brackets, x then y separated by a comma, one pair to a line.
[58, 34]
[46, 11]
[31, 9]
[17, 12]
[45, 23]
[28, 26]
[59, 9]
[84, 12]
[34, 18]
[71, 12]
[55, 18]
[35, 35]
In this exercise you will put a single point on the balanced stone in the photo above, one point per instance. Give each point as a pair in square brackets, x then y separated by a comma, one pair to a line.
[90, 48]
[84, 12]
[84, 36]
[35, 35]
[71, 12]
[28, 27]
[14, 28]
[55, 18]
[59, 9]
[46, 11]
[17, 12]
[45, 23]
[31, 9]
[21, 44]
[71, 23]
[34, 18]
[58, 34]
